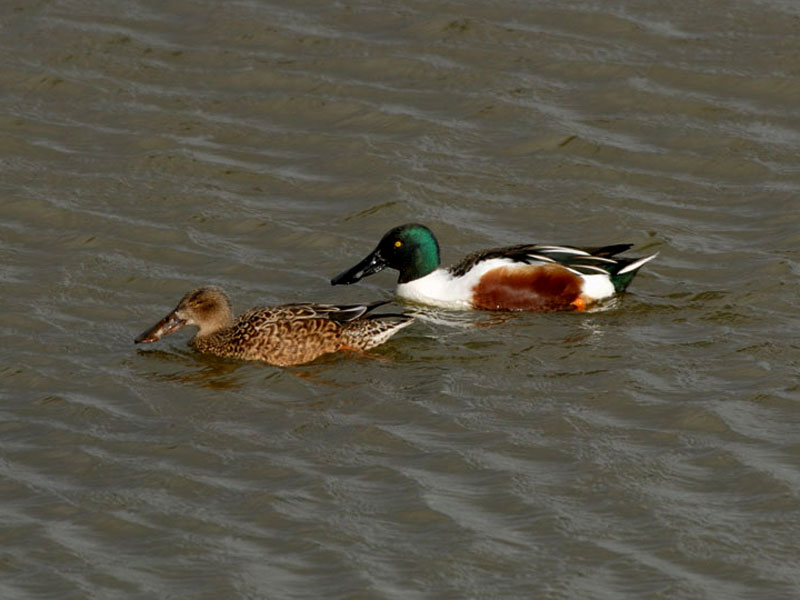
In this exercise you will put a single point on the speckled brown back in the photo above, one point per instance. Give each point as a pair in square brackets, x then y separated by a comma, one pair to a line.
[299, 333]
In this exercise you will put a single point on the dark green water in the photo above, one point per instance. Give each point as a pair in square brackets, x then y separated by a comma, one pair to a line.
[648, 451]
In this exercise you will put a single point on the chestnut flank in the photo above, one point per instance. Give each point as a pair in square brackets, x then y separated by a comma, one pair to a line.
[534, 288]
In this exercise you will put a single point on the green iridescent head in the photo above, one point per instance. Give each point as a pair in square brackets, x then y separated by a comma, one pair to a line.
[411, 249]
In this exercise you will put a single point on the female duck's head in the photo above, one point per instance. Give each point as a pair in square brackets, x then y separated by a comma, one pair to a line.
[207, 308]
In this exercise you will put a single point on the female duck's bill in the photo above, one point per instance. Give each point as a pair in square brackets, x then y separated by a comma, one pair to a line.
[536, 277]
[169, 324]
[287, 334]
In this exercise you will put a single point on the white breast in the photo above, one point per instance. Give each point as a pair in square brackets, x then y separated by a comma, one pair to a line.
[440, 288]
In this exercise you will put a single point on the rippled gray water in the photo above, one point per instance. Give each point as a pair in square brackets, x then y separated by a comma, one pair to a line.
[648, 451]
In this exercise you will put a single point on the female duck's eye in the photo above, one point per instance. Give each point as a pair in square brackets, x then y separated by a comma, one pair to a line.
[398, 244]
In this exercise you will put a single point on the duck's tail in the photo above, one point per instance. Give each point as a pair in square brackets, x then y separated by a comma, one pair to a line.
[625, 270]
[373, 330]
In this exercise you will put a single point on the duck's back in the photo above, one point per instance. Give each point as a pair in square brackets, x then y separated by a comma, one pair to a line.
[292, 334]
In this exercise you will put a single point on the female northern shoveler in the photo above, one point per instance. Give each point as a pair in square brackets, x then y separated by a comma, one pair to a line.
[288, 334]
[538, 277]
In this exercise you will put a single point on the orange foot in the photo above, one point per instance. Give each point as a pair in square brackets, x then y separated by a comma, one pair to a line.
[579, 304]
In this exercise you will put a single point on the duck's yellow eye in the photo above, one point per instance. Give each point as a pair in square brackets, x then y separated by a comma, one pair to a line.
[398, 243]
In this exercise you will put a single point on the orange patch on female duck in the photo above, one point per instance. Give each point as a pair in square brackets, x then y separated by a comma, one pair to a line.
[534, 288]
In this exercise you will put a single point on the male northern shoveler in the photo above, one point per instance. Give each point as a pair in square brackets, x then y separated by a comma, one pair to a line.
[289, 334]
[536, 277]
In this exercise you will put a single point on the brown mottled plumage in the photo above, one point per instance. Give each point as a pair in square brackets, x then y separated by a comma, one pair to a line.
[288, 334]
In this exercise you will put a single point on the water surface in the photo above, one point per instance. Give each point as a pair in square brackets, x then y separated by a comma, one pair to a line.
[646, 451]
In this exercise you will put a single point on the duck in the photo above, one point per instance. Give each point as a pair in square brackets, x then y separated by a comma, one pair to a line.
[526, 277]
[283, 335]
